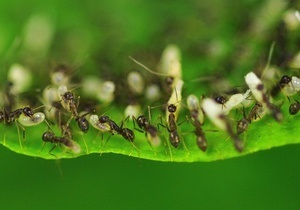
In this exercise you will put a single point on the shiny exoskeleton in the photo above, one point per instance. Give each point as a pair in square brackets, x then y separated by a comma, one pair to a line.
[144, 124]
[201, 140]
[172, 127]
[254, 114]
[125, 132]
[294, 108]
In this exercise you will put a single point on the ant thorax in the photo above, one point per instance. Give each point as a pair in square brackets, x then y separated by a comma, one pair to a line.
[175, 98]
[193, 105]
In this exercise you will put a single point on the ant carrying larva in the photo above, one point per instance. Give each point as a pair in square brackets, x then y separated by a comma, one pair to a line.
[50, 137]
[256, 113]
[150, 131]
[68, 102]
[217, 116]
[258, 92]
[197, 118]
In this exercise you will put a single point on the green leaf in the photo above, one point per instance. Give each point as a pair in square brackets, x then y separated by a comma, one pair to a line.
[255, 41]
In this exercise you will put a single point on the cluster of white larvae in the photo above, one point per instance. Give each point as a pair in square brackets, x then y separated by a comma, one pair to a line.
[58, 99]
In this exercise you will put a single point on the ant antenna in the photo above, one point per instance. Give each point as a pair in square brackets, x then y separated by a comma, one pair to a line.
[146, 68]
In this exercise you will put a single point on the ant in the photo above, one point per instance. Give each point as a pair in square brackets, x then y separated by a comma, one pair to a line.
[195, 113]
[256, 112]
[258, 91]
[68, 102]
[172, 127]
[218, 117]
[150, 131]
[125, 132]
[49, 136]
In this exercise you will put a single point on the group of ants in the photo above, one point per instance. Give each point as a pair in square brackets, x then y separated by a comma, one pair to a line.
[8, 116]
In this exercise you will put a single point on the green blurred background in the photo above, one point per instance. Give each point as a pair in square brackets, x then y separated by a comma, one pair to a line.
[104, 33]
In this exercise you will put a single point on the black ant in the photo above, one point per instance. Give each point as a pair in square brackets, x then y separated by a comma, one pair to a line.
[68, 102]
[125, 132]
[49, 136]
[172, 127]
[145, 125]
[194, 107]
[256, 112]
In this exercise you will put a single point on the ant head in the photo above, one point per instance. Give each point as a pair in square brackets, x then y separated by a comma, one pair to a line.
[103, 119]
[28, 111]
[285, 80]
[172, 108]
[220, 99]
[260, 87]
[69, 96]
[169, 80]
[47, 136]
[141, 120]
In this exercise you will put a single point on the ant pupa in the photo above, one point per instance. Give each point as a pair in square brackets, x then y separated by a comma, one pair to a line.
[295, 62]
[217, 116]
[105, 89]
[20, 77]
[150, 131]
[26, 117]
[152, 92]
[51, 100]
[61, 75]
[197, 118]
[170, 63]
[132, 110]
[234, 101]
[258, 92]
[135, 82]
[106, 93]
[291, 19]
[49, 136]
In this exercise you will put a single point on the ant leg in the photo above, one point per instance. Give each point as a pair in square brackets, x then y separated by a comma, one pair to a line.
[85, 144]
[52, 150]
[19, 135]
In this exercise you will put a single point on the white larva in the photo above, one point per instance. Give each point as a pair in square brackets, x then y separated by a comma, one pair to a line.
[152, 92]
[94, 121]
[20, 77]
[213, 112]
[135, 82]
[106, 92]
[132, 110]
[36, 119]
